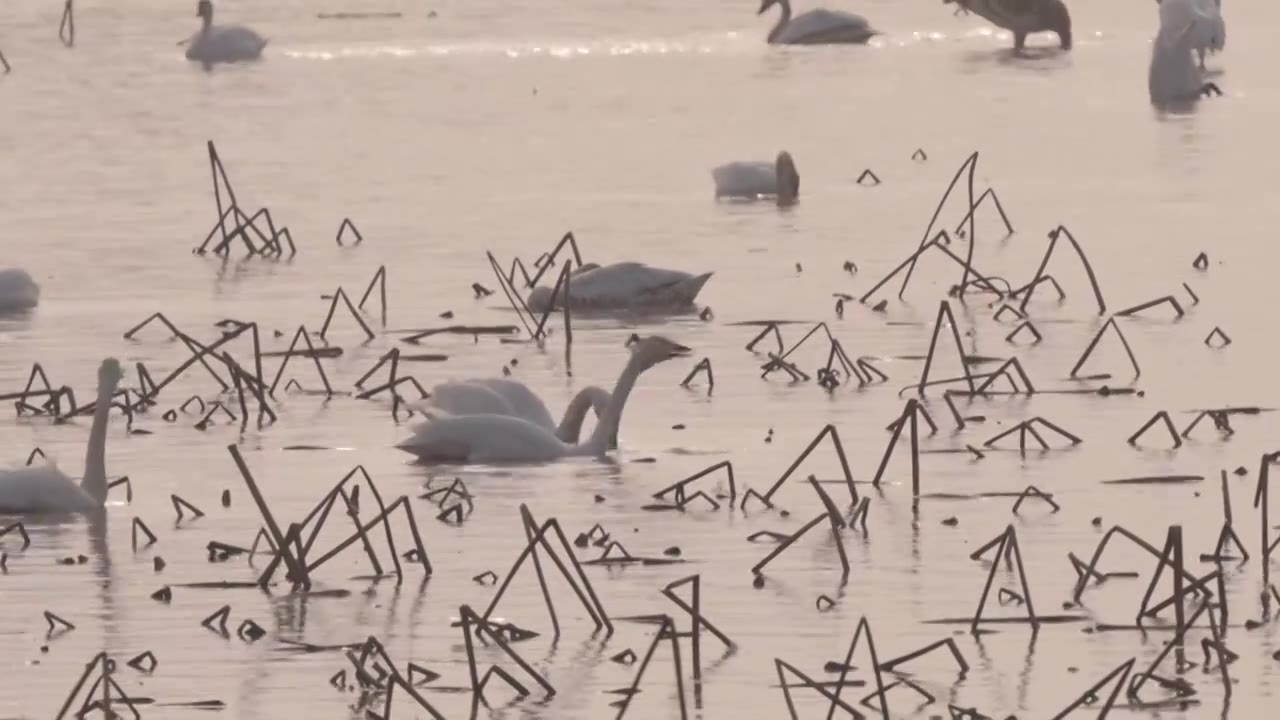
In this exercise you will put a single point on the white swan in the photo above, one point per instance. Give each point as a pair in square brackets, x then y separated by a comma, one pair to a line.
[817, 27]
[506, 438]
[620, 286]
[46, 489]
[778, 179]
[227, 44]
[1173, 77]
[17, 290]
[500, 396]
[1210, 32]
[1023, 17]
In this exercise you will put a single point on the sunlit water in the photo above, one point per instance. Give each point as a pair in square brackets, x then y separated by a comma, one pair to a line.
[499, 127]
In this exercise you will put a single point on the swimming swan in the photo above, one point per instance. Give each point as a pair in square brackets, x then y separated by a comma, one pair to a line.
[1211, 34]
[499, 396]
[46, 489]
[1173, 78]
[17, 290]
[227, 44]
[505, 438]
[620, 286]
[1022, 17]
[817, 27]
[778, 179]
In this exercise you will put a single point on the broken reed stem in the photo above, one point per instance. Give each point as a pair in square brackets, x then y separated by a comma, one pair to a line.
[1054, 235]
[970, 164]
[67, 28]
[513, 296]
[561, 281]
[828, 430]
[989, 192]
[380, 281]
[945, 315]
[217, 171]
[298, 573]
[548, 260]
[586, 593]
[333, 306]
[342, 229]
[1084, 357]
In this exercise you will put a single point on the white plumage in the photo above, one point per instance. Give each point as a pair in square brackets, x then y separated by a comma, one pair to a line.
[817, 27]
[1173, 76]
[756, 179]
[621, 286]
[227, 44]
[500, 396]
[490, 438]
[17, 290]
[46, 489]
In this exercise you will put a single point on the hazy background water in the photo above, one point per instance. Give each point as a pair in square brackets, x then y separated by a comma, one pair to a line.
[499, 126]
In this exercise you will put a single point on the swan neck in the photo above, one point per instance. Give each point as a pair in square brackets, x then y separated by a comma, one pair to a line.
[607, 428]
[576, 413]
[95, 461]
[783, 19]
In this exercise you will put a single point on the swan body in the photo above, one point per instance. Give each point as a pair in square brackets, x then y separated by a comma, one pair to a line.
[500, 396]
[46, 489]
[491, 438]
[1023, 17]
[17, 290]
[778, 179]
[1210, 31]
[1173, 77]
[817, 27]
[226, 44]
[622, 285]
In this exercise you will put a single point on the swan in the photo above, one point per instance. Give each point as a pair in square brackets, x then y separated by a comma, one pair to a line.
[507, 438]
[622, 285]
[1209, 35]
[756, 179]
[17, 290]
[816, 27]
[1022, 17]
[500, 396]
[46, 489]
[1173, 78]
[227, 44]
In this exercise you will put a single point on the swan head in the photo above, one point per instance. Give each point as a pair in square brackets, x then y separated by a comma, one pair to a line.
[204, 10]
[110, 373]
[766, 4]
[655, 349]
[788, 178]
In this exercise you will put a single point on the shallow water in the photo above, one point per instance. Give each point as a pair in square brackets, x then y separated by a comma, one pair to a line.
[499, 127]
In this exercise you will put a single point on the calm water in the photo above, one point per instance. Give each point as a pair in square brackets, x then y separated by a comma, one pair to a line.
[498, 126]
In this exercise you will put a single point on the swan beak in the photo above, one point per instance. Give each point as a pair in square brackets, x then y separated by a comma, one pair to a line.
[679, 351]
[764, 6]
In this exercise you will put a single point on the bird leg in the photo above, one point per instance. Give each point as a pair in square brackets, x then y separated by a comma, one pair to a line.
[1210, 89]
